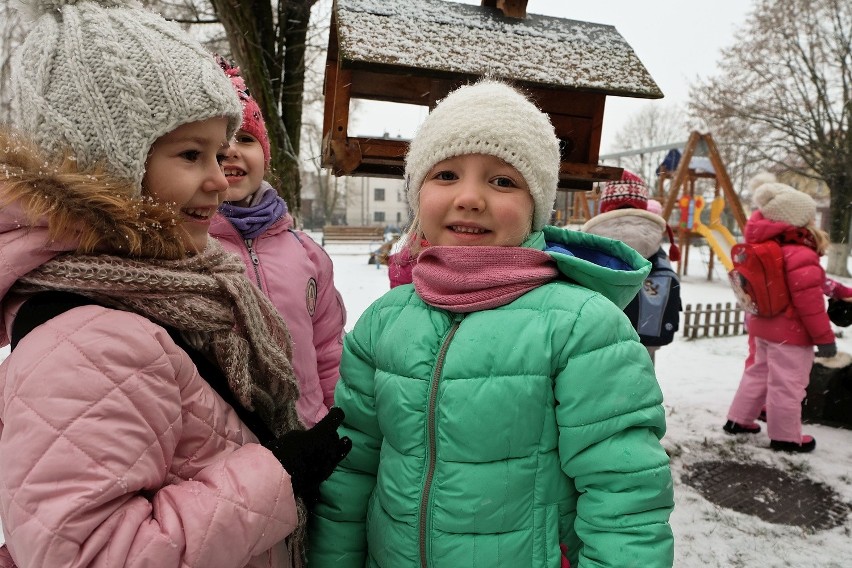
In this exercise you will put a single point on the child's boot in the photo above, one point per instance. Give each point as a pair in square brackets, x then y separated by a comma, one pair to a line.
[732, 427]
[808, 444]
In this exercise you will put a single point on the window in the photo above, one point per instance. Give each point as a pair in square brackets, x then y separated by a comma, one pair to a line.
[398, 217]
[378, 194]
[379, 216]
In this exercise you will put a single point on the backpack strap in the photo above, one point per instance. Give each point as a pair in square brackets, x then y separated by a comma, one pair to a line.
[40, 308]
[44, 306]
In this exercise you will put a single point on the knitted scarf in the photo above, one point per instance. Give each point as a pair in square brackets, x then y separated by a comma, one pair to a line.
[265, 208]
[468, 279]
[209, 300]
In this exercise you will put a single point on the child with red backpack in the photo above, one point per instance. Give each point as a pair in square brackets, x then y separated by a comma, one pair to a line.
[784, 341]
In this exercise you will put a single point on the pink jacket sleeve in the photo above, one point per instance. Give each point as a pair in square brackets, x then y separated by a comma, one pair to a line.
[805, 279]
[835, 290]
[115, 452]
[329, 321]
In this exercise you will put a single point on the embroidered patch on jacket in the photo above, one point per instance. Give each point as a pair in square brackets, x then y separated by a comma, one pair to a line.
[311, 296]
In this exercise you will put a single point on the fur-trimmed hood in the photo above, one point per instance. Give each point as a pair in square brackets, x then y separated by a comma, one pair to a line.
[51, 208]
[641, 230]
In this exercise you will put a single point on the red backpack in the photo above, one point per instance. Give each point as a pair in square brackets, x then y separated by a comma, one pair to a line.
[758, 278]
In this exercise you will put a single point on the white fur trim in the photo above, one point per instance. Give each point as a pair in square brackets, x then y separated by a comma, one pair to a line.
[640, 230]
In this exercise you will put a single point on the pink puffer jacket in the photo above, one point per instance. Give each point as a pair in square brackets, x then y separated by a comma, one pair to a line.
[114, 451]
[297, 276]
[805, 322]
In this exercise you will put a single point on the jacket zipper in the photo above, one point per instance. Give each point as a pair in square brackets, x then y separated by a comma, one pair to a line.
[255, 261]
[430, 432]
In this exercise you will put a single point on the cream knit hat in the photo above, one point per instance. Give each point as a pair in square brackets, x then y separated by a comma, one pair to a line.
[106, 78]
[780, 202]
[489, 118]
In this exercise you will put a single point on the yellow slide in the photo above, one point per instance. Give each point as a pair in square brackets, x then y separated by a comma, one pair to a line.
[720, 240]
[716, 234]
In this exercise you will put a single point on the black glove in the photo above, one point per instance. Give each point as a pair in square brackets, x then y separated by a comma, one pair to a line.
[310, 456]
[826, 350]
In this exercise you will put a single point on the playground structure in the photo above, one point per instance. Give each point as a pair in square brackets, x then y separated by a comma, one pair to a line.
[686, 172]
[573, 209]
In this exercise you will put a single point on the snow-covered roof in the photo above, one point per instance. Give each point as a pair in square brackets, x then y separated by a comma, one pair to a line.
[460, 38]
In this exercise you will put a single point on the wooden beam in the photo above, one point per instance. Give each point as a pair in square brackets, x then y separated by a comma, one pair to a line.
[510, 8]
[680, 173]
[338, 151]
[724, 180]
[386, 157]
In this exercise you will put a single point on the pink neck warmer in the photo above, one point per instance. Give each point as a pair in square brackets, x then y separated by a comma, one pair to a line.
[469, 279]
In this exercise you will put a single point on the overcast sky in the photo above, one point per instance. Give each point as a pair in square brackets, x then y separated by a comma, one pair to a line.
[677, 41]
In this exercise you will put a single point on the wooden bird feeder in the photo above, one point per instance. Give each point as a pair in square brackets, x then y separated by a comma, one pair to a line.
[417, 52]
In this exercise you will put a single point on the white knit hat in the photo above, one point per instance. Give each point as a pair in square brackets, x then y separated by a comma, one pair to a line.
[489, 118]
[780, 202]
[106, 78]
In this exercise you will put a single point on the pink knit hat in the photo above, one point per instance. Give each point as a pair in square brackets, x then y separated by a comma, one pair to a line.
[630, 192]
[252, 117]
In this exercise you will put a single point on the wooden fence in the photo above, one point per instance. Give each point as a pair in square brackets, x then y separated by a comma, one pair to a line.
[707, 320]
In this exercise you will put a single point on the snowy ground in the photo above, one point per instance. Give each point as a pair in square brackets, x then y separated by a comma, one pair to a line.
[698, 379]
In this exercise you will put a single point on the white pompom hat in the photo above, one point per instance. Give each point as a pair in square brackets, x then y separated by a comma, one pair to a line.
[491, 118]
[780, 202]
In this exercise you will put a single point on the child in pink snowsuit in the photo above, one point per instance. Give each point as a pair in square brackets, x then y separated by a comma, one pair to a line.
[783, 344]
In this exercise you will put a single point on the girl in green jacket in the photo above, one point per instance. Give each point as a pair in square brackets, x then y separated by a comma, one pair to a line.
[502, 410]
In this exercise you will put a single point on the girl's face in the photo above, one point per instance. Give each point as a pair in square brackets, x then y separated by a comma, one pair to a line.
[475, 200]
[183, 168]
[244, 167]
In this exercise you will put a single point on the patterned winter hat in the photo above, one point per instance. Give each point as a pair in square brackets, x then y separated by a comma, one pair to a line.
[252, 117]
[630, 192]
[491, 118]
[782, 203]
[106, 78]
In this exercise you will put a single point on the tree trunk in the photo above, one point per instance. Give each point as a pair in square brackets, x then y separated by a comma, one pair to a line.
[841, 217]
[248, 25]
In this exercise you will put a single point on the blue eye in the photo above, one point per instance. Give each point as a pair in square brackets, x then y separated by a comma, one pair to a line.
[445, 175]
[504, 182]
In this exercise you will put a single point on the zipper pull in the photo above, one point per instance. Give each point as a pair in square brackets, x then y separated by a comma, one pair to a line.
[254, 259]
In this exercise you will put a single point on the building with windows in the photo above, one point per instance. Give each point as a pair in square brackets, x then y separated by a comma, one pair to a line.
[376, 201]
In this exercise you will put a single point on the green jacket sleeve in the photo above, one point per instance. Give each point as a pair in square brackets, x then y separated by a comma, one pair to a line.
[611, 420]
[337, 534]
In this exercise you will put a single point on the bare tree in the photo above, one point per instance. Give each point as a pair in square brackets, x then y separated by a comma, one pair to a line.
[268, 41]
[653, 125]
[786, 86]
[328, 193]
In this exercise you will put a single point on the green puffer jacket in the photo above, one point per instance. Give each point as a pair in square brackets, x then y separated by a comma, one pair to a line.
[491, 438]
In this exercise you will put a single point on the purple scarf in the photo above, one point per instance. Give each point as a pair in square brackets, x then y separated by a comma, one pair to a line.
[263, 210]
[469, 279]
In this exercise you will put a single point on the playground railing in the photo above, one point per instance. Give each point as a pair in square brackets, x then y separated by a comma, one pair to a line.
[709, 320]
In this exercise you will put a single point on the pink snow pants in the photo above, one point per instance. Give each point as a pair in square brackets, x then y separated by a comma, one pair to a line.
[779, 376]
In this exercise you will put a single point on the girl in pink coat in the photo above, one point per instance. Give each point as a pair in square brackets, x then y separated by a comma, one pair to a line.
[783, 344]
[147, 409]
[287, 265]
